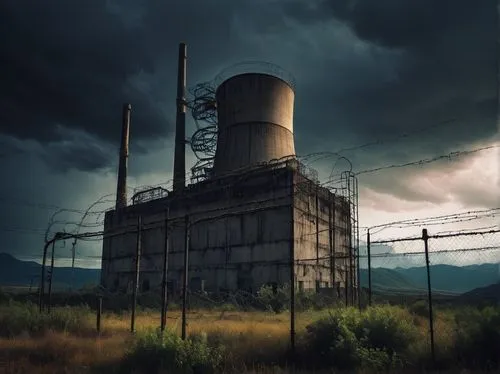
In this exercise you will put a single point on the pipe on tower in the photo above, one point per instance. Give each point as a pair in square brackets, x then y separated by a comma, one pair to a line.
[180, 125]
[121, 188]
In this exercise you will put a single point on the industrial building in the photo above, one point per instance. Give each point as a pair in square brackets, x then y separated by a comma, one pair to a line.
[255, 211]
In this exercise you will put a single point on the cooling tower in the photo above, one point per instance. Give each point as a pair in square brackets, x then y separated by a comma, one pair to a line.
[255, 121]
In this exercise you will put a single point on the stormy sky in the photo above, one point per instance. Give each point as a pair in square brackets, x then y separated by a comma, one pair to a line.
[419, 78]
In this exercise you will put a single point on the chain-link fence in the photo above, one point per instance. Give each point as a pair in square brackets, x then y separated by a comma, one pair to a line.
[434, 278]
[438, 278]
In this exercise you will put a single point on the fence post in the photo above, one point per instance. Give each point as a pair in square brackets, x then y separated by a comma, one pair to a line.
[358, 278]
[425, 238]
[185, 278]
[368, 249]
[330, 244]
[358, 270]
[137, 271]
[99, 313]
[292, 280]
[333, 238]
[346, 280]
[49, 296]
[41, 291]
[318, 271]
[164, 278]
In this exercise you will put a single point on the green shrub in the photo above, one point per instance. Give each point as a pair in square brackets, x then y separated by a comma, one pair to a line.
[331, 343]
[348, 338]
[278, 299]
[386, 328]
[153, 350]
[420, 308]
[275, 299]
[477, 341]
[18, 318]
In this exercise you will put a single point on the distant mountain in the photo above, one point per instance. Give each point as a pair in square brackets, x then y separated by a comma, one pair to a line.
[450, 278]
[445, 278]
[383, 278]
[14, 272]
[488, 293]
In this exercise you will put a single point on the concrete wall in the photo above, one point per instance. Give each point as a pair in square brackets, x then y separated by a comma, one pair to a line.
[321, 226]
[239, 236]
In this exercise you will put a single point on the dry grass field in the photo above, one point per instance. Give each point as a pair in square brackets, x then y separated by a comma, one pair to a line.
[253, 342]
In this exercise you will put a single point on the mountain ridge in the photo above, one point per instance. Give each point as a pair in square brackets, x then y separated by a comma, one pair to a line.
[19, 273]
[444, 278]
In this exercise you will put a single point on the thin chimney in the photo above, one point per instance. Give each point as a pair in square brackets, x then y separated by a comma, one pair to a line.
[180, 125]
[121, 189]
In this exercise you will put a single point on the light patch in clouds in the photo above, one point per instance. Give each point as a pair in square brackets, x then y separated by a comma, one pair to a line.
[388, 203]
[469, 180]
[458, 186]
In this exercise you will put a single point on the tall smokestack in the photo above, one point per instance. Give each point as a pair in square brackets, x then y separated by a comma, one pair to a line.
[121, 188]
[180, 125]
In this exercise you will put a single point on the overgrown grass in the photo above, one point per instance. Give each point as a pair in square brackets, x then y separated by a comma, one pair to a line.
[377, 338]
[153, 350]
[381, 338]
[24, 318]
[477, 338]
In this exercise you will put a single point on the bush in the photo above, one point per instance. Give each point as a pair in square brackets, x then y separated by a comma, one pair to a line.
[348, 338]
[276, 299]
[18, 318]
[152, 350]
[387, 328]
[332, 343]
[477, 341]
[420, 308]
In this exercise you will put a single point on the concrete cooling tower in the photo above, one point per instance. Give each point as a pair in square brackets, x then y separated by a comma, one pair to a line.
[255, 121]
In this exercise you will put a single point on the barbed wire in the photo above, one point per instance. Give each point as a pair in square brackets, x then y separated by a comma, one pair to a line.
[436, 220]
[420, 162]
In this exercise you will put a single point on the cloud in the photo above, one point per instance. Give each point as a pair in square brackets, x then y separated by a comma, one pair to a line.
[448, 181]
[443, 66]
[365, 71]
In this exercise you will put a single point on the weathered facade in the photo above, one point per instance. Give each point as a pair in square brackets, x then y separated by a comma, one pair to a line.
[254, 217]
[243, 231]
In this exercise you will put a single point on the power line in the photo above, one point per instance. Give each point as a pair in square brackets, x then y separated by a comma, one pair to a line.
[448, 156]
[322, 155]
[444, 219]
[401, 136]
[17, 201]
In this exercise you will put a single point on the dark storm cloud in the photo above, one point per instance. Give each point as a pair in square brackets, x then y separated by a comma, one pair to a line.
[366, 70]
[446, 68]
[433, 66]
[67, 63]
[74, 63]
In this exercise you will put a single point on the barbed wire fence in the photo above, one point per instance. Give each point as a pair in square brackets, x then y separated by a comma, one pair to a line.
[401, 270]
[423, 271]
[348, 286]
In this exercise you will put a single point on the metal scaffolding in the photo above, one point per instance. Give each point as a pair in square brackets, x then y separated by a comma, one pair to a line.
[349, 183]
[203, 108]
